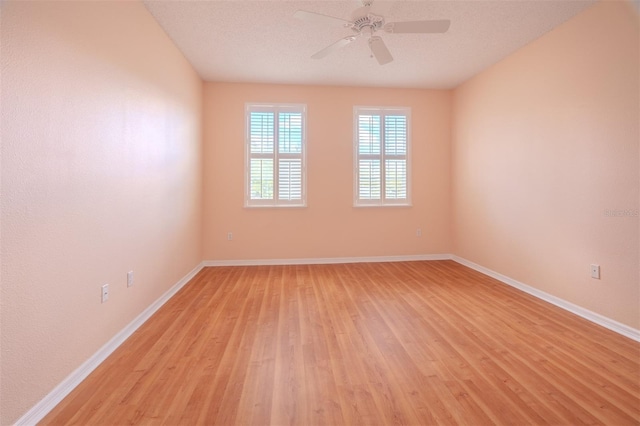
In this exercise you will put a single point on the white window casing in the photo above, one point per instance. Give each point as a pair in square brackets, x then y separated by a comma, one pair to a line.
[382, 154]
[275, 155]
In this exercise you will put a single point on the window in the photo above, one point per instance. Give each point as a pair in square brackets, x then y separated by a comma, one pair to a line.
[381, 156]
[275, 155]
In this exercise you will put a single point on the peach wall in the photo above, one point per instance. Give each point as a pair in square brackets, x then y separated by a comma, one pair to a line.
[544, 143]
[330, 226]
[101, 174]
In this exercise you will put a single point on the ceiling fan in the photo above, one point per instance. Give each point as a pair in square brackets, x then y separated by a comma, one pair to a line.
[363, 22]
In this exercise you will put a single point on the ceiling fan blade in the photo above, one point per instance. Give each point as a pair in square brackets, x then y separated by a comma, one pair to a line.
[320, 18]
[333, 47]
[379, 50]
[418, 27]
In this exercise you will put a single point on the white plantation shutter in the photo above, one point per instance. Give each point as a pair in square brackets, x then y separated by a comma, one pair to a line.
[396, 179]
[381, 142]
[290, 179]
[369, 137]
[395, 135]
[261, 141]
[369, 148]
[395, 149]
[275, 149]
[261, 179]
[262, 132]
[290, 132]
[369, 178]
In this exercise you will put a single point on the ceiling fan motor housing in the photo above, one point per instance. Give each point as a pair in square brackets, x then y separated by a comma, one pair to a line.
[363, 20]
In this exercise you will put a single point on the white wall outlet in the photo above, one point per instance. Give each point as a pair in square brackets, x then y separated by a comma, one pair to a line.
[595, 271]
[129, 278]
[230, 236]
[418, 232]
[105, 293]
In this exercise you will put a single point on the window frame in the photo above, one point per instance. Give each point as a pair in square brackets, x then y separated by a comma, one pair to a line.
[383, 201]
[276, 109]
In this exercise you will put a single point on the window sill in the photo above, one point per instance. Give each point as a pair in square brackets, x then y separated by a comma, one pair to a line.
[276, 206]
[382, 205]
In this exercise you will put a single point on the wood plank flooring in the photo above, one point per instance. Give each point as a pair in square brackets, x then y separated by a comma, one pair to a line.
[415, 343]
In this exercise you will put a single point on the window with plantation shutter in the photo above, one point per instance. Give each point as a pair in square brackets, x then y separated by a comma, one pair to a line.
[275, 155]
[381, 156]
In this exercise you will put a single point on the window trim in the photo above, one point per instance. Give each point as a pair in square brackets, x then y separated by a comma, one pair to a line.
[276, 108]
[383, 201]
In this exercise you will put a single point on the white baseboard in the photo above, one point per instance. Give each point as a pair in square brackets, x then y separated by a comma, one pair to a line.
[327, 260]
[605, 322]
[42, 408]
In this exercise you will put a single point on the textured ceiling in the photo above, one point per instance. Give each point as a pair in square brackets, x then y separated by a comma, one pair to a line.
[261, 41]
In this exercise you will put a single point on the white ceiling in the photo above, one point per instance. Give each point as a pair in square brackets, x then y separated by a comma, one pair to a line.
[261, 41]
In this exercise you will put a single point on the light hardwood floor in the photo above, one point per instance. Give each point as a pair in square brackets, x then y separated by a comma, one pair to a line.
[380, 343]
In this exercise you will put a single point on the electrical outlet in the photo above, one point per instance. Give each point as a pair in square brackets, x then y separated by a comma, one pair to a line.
[105, 293]
[418, 232]
[230, 236]
[595, 271]
[129, 278]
